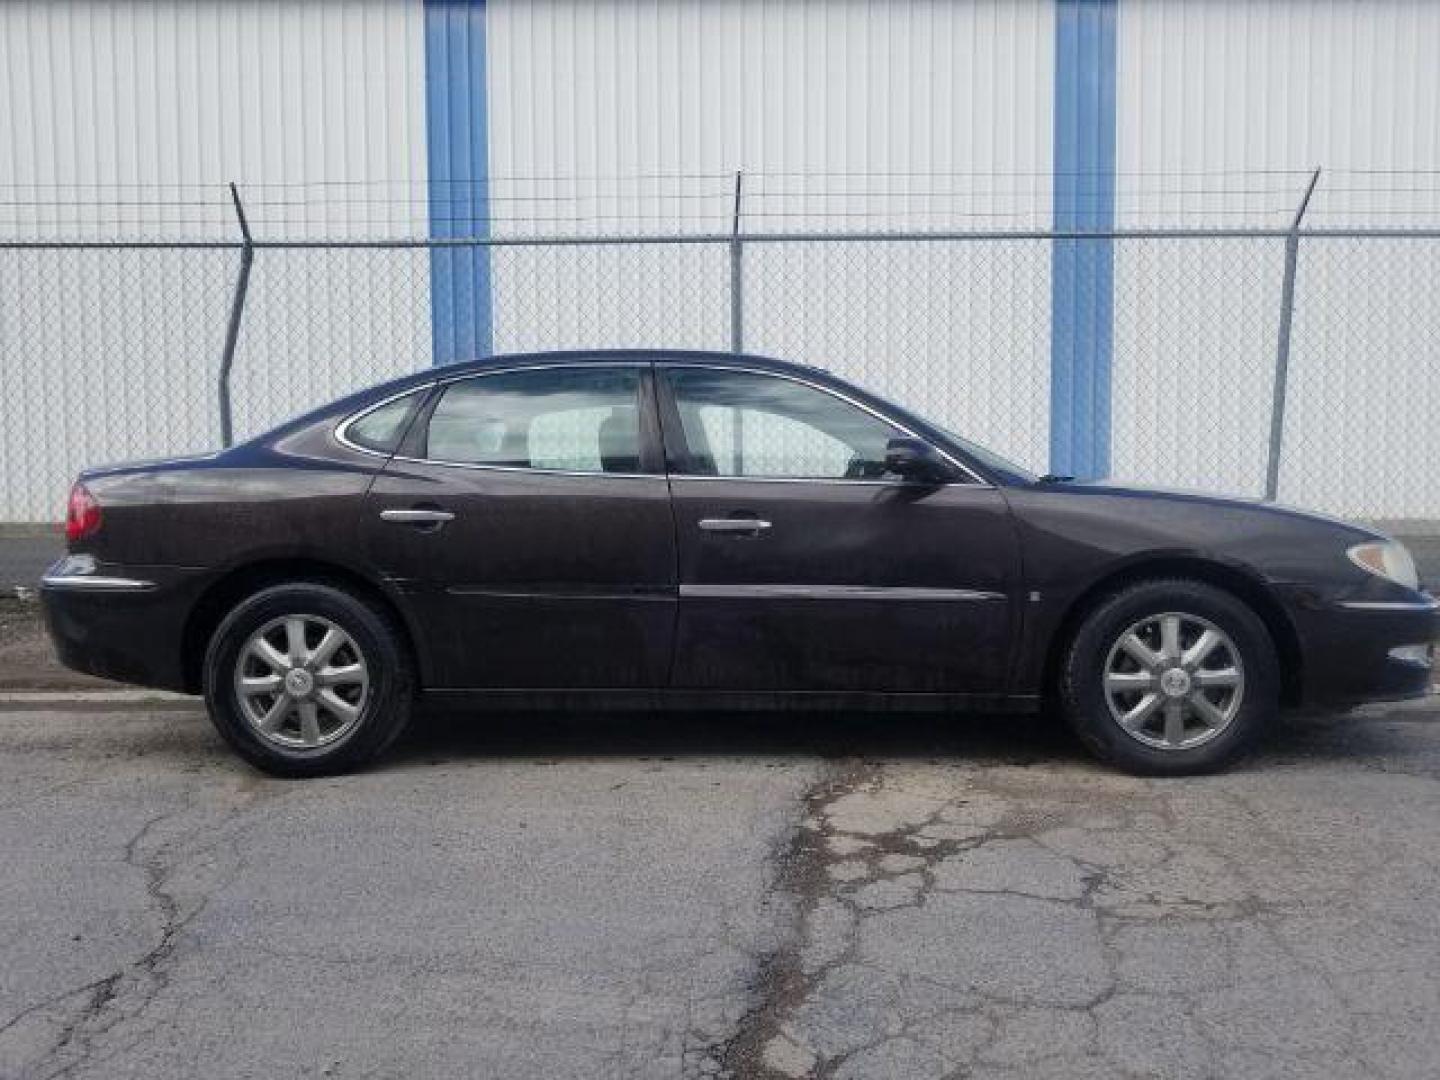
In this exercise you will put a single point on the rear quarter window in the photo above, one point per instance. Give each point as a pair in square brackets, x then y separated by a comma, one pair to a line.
[382, 428]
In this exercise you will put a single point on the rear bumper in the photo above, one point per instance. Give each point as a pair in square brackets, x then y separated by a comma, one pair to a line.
[125, 624]
[1357, 651]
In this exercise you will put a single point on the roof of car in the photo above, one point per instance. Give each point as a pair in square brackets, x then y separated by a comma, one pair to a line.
[427, 376]
[600, 356]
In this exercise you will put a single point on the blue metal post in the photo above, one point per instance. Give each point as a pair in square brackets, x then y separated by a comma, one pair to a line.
[457, 138]
[1083, 271]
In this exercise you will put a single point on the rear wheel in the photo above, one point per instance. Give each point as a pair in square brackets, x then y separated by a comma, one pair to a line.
[307, 679]
[1170, 677]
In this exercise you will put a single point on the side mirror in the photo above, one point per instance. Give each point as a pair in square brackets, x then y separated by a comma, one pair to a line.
[915, 459]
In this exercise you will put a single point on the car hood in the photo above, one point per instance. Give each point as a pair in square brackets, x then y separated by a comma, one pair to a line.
[1096, 528]
[1249, 504]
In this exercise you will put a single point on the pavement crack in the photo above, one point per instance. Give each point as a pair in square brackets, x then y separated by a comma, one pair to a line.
[102, 1011]
[92, 988]
[782, 982]
[125, 994]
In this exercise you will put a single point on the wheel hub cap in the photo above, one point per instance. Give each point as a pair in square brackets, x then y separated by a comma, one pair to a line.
[1175, 683]
[302, 682]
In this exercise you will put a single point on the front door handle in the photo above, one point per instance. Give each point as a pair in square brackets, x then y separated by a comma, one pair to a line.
[417, 517]
[747, 526]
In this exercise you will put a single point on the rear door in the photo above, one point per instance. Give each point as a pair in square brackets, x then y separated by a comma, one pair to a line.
[528, 520]
[804, 567]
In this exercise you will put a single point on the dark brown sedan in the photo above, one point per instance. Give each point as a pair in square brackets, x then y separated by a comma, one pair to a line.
[682, 529]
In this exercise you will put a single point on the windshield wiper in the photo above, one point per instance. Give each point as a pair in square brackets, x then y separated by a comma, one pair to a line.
[1055, 478]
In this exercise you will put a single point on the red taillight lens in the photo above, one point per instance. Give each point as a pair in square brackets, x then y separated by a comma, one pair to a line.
[82, 514]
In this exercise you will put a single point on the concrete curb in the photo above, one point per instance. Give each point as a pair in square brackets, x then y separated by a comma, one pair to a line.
[29, 530]
[14, 700]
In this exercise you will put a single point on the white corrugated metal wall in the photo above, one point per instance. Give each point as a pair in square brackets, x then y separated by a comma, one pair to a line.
[123, 119]
[148, 96]
[1235, 103]
[856, 113]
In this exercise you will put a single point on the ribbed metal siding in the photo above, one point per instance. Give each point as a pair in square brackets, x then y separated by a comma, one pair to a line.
[581, 88]
[162, 98]
[1207, 86]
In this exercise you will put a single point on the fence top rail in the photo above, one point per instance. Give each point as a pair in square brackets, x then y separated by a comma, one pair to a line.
[726, 238]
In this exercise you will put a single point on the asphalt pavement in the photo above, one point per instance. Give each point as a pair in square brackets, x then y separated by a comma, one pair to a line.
[699, 896]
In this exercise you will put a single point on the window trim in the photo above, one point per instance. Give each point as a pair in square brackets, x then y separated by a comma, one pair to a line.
[976, 480]
[644, 405]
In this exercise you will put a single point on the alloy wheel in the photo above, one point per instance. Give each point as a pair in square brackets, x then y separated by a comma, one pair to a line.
[301, 682]
[1174, 681]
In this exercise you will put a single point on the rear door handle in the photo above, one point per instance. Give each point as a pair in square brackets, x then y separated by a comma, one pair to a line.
[750, 526]
[417, 517]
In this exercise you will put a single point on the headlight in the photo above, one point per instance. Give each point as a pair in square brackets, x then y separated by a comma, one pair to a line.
[1388, 560]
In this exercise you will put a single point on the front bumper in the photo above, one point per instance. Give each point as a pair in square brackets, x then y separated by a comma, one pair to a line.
[1365, 650]
[121, 623]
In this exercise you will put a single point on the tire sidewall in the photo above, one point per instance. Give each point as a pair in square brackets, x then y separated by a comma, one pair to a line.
[1082, 678]
[387, 704]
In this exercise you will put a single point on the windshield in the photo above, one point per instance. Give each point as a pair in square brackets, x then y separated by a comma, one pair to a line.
[985, 457]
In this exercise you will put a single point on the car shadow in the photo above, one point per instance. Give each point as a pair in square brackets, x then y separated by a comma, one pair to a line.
[1398, 739]
[1405, 740]
[1009, 739]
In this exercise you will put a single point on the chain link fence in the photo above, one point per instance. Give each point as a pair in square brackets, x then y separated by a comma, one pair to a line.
[147, 347]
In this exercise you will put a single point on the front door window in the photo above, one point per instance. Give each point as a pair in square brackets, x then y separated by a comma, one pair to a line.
[747, 425]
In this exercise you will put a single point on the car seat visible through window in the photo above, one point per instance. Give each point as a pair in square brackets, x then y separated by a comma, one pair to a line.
[619, 438]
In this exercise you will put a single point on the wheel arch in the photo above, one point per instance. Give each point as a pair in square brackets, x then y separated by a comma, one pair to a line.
[221, 596]
[1239, 583]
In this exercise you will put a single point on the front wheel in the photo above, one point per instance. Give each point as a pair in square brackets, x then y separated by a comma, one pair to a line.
[306, 679]
[1170, 678]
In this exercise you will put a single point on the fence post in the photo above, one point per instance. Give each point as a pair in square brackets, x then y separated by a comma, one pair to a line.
[237, 309]
[737, 275]
[1282, 345]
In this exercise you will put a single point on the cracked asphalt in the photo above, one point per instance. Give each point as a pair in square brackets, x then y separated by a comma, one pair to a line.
[760, 896]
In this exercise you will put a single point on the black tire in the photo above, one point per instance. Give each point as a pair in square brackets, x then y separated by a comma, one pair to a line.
[1087, 708]
[386, 704]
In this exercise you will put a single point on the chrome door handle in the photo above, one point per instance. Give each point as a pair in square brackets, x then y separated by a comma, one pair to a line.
[734, 525]
[417, 517]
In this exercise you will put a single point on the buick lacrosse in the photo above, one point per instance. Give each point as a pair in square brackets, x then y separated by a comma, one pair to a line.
[672, 529]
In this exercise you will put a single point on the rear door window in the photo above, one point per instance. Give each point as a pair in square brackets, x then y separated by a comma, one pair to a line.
[577, 419]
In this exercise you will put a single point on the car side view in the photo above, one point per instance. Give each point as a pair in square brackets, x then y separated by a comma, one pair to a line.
[679, 529]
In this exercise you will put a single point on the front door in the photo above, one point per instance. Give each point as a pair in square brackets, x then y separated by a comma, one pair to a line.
[805, 567]
[528, 521]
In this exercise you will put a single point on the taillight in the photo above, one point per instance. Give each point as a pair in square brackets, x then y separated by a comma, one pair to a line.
[82, 514]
